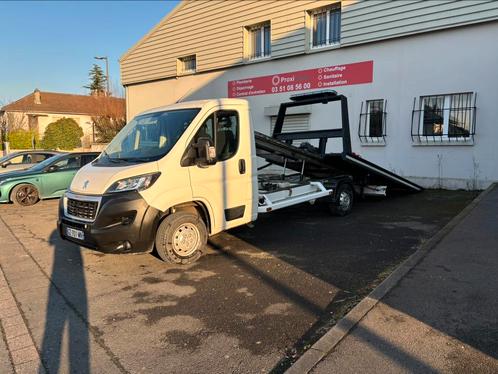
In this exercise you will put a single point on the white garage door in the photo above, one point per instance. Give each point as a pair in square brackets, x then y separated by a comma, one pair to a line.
[293, 123]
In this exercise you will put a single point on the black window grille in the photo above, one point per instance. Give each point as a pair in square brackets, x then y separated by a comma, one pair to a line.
[259, 41]
[188, 64]
[372, 126]
[326, 26]
[444, 118]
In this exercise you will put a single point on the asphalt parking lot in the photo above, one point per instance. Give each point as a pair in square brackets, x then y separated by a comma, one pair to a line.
[257, 298]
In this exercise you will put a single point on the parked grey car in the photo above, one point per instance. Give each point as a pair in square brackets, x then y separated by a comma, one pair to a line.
[24, 159]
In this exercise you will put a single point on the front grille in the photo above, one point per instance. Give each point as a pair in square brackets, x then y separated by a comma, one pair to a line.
[82, 209]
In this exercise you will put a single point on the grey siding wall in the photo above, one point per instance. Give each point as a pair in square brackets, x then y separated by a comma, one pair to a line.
[375, 20]
[214, 30]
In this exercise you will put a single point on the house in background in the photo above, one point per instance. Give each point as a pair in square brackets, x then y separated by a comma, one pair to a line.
[38, 109]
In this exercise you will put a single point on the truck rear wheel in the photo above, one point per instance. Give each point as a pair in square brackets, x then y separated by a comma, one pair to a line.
[343, 203]
[181, 237]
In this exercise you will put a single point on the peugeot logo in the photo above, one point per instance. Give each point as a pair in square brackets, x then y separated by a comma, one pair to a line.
[85, 184]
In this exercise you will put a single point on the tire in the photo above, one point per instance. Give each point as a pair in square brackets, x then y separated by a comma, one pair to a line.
[181, 238]
[24, 195]
[344, 201]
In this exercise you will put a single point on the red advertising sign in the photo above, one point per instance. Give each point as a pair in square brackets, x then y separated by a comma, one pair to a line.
[320, 78]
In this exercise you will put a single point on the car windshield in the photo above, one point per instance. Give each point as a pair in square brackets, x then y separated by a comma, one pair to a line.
[149, 137]
[42, 165]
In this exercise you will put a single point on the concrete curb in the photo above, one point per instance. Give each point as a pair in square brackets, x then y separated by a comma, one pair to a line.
[342, 328]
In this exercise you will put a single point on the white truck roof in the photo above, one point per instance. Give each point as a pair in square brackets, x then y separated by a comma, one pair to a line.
[197, 104]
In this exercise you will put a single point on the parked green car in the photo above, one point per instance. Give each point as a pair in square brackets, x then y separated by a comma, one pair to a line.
[49, 178]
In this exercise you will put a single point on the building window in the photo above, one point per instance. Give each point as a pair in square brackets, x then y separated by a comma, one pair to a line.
[372, 126]
[444, 118]
[325, 26]
[259, 41]
[187, 65]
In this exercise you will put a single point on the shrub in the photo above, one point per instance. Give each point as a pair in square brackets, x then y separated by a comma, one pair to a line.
[64, 133]
[22, 139]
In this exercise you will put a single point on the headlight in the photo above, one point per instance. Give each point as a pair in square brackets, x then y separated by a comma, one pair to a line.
[138, 183]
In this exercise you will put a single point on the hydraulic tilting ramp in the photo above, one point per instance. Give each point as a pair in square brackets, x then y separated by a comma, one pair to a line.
[315, 162]
[315, 166]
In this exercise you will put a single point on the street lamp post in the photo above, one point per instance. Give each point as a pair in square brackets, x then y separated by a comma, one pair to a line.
[106, 71]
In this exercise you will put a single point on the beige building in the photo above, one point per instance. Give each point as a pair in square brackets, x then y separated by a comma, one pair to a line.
[38, 109]
[420, 76]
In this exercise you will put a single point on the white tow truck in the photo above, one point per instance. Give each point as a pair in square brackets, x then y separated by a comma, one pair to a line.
[175, 175]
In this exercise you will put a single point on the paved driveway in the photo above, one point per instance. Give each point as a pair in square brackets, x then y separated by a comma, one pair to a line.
[257, 298]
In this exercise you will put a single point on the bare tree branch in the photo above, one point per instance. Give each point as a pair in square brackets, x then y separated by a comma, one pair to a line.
[110, 120]
[11, 121]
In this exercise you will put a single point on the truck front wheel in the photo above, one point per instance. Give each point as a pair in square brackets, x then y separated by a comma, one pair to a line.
[181, 237]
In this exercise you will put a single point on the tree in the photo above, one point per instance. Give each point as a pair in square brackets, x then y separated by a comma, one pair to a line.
[11, 121]
[64, 133]
[97, 80]
[110, 120]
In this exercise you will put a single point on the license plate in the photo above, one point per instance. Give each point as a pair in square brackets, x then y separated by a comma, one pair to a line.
[76, 234]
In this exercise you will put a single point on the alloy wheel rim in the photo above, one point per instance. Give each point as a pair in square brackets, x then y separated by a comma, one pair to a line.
[27, 195]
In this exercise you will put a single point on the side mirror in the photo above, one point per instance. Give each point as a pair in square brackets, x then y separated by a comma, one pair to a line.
[6, 163]
[52, 168]
[206, 152]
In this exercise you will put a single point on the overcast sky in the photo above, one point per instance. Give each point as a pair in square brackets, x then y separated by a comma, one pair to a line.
[51, 45]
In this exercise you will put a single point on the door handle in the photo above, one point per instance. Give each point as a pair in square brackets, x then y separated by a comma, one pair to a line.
[242, 166]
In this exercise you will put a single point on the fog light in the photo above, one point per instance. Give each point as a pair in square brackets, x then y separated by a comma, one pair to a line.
[124, 246]
[128, 220]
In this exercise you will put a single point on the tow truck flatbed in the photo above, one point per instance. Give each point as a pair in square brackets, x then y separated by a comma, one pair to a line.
[314, 162]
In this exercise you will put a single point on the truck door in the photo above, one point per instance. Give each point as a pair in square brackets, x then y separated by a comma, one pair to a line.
[226, 186]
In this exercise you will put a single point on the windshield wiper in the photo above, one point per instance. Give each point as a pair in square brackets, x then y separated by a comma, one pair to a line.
[136, 159]
[111, 159]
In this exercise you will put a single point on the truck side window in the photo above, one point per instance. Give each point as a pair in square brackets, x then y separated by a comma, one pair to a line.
[206, 130]
[227, 134]
[222, 128]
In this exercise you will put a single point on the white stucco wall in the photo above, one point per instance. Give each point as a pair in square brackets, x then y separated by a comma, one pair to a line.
[452, 61]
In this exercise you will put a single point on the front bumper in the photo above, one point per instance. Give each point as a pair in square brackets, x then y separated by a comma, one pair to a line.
[124, 223]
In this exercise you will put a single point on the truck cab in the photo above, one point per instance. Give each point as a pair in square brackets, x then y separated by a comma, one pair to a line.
[171, 177]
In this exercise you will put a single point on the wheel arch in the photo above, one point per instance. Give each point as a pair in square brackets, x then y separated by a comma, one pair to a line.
[195, 206]
[338, 182]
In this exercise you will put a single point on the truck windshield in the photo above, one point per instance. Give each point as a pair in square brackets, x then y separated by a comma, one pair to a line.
[149, 137]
